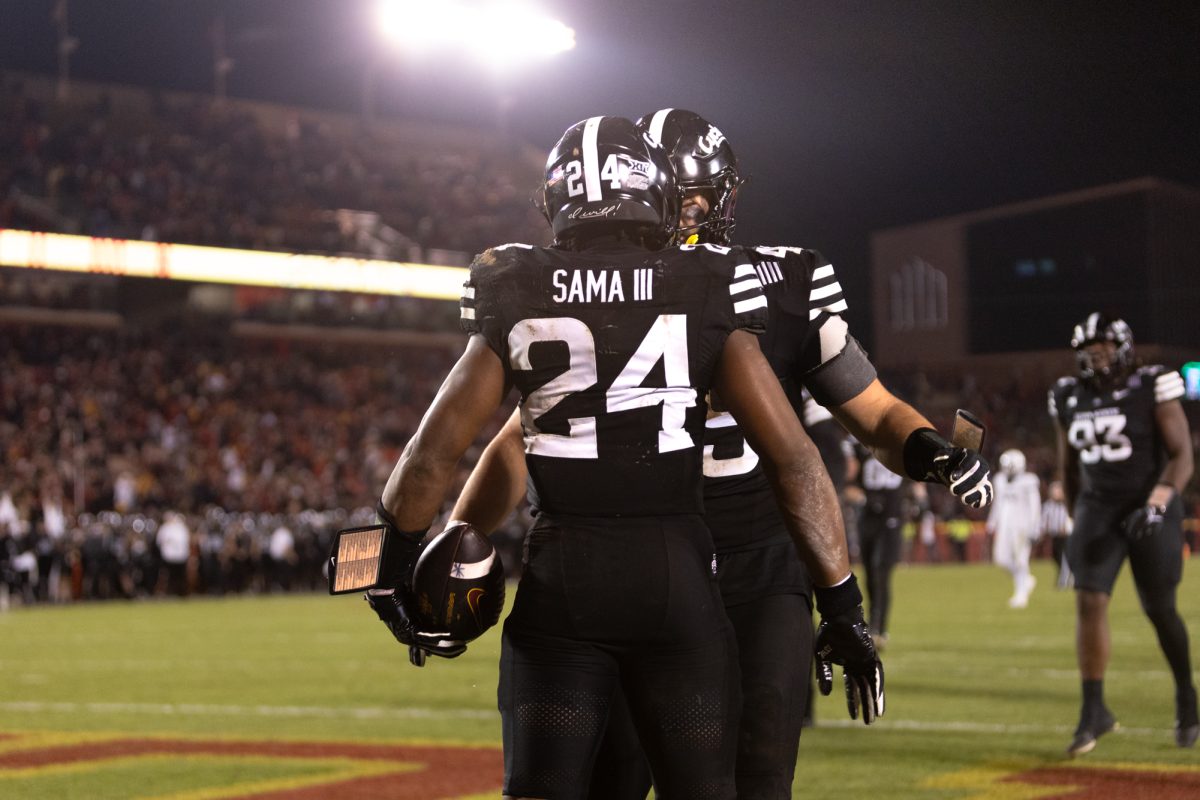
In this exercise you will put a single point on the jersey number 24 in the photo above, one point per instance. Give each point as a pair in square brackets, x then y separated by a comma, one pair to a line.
[666, 341]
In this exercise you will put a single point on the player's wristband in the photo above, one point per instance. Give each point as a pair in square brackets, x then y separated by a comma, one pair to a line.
[835, 600]
[919, 449]
[399, 553]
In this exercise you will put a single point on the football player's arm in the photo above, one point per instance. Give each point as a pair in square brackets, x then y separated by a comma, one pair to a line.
[466, 400]
[497, 483]
[906, 443]
[417, 486]
[882, 422]
[749, 389]
[1177, 441]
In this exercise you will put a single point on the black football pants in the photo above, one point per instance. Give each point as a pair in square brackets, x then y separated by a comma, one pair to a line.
[619, 603]
[774, 630]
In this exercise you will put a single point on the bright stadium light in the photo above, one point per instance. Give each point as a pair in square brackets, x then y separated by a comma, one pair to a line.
[497, 34]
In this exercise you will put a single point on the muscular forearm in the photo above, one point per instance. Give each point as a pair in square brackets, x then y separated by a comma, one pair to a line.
[882, 422]
[815, 523]
[416, 488]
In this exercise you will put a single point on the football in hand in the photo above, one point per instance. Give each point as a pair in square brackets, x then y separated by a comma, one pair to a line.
[458, 584]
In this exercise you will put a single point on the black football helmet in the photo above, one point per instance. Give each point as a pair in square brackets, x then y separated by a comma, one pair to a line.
[1099, 327]
[703, 159]
[605, 173]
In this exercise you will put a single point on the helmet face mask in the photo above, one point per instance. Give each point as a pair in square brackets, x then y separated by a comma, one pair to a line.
[704, 161]
[604, 175]
[1116, 350]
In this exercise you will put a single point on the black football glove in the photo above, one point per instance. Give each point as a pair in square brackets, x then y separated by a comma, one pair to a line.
[1143, 522]
[844, 638]
[393, 608]
[929, 457]
[392, 598]
[967, 474]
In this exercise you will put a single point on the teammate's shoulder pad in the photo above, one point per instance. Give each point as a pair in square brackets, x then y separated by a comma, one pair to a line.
[500, 255]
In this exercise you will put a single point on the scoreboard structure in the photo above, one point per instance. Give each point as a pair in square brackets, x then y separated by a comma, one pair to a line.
[1016, 278]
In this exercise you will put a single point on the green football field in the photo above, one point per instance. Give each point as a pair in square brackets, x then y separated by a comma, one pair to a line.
[307, 696]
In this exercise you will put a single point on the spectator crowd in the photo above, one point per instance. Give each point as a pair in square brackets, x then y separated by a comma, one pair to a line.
[183, 170]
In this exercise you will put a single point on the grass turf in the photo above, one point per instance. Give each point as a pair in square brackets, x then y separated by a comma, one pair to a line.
[975, 690]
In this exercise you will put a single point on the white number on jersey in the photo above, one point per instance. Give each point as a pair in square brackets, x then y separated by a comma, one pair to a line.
[666, 341]
[1100, 438]
[727, 467]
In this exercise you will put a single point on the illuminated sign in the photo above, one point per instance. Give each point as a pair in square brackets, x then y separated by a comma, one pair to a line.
[223, 265]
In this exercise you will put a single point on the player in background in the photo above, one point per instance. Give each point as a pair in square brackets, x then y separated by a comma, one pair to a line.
[1014, 523]
[1125, 456]
[1056, 524]
[613, 345]
[763, 584]
[880, 539]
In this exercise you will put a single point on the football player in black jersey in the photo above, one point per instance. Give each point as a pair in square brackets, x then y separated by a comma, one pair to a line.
[764, 586]
[613, 346]
[1125, 456]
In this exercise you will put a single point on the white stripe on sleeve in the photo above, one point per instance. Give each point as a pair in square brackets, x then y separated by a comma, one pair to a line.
[742, 306]
[1168, 386]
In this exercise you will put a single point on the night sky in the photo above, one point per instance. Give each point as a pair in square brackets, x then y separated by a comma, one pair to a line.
[847, 116]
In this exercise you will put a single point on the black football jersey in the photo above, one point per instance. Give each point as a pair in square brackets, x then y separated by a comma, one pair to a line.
[1114, 432]
[805, 332]
[613, 352]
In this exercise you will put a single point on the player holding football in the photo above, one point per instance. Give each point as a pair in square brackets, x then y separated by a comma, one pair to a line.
[1125, 456]
[763, 584]
[614, 345]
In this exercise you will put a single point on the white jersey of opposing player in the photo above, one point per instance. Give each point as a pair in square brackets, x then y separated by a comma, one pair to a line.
[1017, 507]
[1014, 519]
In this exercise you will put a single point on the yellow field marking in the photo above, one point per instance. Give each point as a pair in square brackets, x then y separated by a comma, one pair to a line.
[44, 740]
[340, 765]
[985, 780]
[988, 780]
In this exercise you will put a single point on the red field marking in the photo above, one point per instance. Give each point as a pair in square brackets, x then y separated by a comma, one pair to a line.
[1079, 783]
[448, 771]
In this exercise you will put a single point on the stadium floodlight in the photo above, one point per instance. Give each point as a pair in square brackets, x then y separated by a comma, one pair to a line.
[497, 34]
